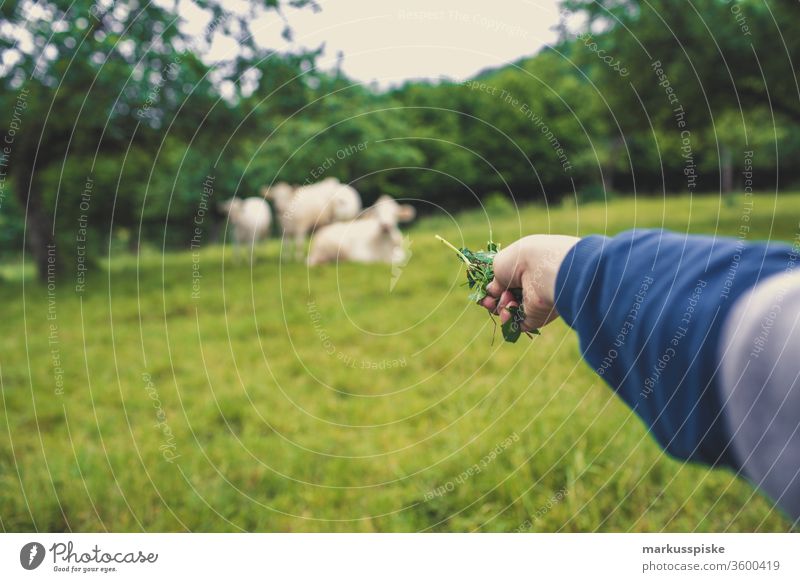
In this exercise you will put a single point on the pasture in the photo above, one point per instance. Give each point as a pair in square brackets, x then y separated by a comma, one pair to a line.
[190, 392]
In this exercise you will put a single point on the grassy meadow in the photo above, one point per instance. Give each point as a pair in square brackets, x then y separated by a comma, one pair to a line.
[280, 398]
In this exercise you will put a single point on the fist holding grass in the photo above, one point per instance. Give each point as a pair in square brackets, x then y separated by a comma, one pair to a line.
[518, 283]
[531, 265]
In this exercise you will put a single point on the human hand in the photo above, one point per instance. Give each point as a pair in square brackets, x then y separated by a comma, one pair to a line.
[530, 264]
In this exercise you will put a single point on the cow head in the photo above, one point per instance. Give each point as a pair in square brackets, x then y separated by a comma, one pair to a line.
[230, 207]
[389, 213]
[278, 192]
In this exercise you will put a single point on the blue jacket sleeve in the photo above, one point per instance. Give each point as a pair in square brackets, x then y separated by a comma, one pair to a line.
[648, 307]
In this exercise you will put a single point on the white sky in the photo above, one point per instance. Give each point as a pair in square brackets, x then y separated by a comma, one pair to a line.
[388, 42]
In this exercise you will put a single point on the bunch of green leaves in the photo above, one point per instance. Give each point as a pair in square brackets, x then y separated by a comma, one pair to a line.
[480, 272]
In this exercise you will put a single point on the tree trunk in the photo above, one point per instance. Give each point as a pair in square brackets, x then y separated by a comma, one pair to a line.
[727, 170]
[38, 227]
[609, 169]
[133, 241]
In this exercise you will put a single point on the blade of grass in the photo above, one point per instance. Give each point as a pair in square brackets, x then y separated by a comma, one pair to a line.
[458, 252]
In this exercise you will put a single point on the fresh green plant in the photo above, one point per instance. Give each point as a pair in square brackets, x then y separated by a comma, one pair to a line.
[480, 272]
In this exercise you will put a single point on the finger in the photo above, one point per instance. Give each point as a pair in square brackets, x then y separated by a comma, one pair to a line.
[494, 289]
[537, 314]
[508, 267]
[489, 303]
[506, 297]
[531, 322]
[505, 315]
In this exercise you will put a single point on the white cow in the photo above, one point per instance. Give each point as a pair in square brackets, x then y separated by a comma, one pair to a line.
[306, 208]
[372, 238]
[250, 219]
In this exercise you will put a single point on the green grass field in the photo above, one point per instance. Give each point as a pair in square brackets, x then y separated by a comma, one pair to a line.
[268, 422]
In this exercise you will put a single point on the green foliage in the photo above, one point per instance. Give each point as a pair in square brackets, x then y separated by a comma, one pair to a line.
[594, 193]
[102, 84]
[497, 203]
[11, 225]
[512, 328]
[716, 87]
[122, 96]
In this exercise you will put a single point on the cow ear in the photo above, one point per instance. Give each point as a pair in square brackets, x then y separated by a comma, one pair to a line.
[406, 213]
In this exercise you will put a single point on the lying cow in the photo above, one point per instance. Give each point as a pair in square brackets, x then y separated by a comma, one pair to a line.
[250, 219]
[306, 208]
[372, 238]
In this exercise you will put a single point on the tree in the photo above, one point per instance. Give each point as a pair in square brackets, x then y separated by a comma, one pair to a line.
[85, 79]
[694, 68]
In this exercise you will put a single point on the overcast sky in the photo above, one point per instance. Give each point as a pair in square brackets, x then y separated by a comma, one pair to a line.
[389, 41]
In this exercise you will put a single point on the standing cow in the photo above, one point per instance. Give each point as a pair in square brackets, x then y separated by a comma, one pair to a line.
[372, 238]
[306, 208]
[250, 219]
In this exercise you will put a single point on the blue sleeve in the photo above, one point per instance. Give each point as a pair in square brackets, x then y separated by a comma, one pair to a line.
[648, 307]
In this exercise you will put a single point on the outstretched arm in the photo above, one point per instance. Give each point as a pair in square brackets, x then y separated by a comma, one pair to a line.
[649, 308]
